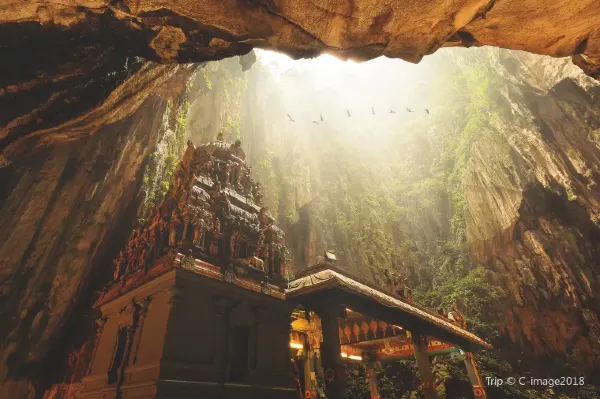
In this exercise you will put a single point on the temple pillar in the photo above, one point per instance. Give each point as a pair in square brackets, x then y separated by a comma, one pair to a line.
[140, 326]
[424, 366]
[372, 378]
[100, 323]
[309, 373]
[331, 352]
[478, 389]
[222, 307]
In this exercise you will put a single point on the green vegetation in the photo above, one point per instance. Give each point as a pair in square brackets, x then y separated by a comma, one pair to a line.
[228, 82]
[397, 203]
[406, 211]
[164, 160]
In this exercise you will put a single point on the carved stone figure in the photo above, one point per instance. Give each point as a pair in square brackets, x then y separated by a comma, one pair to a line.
[151, 252]
[174, 224]
[216, 236]
[233, 243]
[143, 249]
[119, 263]
[198, 232]
[257, 193]
[163, 236]
[186, 215]
[228, 167]
[188, 155]
[132, 254]
[456, 316]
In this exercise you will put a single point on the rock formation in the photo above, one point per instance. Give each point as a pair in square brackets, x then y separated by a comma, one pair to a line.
[534, 208]
[67, 60]
[62, 212]
[82, 106]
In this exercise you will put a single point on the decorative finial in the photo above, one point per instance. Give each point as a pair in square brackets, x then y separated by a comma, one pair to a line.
[330, 257]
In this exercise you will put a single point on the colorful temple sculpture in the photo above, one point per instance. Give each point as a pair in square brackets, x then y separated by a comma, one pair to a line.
[204, 304]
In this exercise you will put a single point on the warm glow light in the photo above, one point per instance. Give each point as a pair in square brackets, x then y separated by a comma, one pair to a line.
[349, 310]
[325, 68]
[353, 357]
[295, 345]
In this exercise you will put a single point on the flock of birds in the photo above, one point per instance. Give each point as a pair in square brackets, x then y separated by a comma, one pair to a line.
[316, 122]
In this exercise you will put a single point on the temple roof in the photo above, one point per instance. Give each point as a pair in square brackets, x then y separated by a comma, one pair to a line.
[321, 280]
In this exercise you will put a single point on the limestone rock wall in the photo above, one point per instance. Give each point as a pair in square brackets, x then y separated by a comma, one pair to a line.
[64, 212]
[65, 58]
[533, 205]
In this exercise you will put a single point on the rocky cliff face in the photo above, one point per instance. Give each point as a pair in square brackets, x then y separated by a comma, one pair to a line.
[82, 110]
[66, 58]
[64, 213]
[533, 207]
[529, 186]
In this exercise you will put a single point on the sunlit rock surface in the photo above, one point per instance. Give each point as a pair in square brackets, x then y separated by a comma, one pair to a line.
[82, 110]
[64, 59]
[68, 209]
[534, 206]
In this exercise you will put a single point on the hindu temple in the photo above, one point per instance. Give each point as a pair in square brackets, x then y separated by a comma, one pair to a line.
[205, 303]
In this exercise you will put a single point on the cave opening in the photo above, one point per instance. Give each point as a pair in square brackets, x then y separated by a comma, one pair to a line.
[473, 175]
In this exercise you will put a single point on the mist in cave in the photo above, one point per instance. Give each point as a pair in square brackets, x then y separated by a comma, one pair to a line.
[472, 175]
[433, 171]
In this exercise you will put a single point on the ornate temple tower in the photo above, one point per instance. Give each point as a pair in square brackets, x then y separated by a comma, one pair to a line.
[197, 308]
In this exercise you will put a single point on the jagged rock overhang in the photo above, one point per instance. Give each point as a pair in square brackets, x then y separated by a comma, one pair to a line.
[70, 61]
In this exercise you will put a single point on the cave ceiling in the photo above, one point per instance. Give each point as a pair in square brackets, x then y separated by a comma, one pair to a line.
[71, 63]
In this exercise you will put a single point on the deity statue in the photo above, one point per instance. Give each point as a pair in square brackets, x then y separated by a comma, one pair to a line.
[263, 216]
[143, 249]
[188, 155]
[228, 167]
[162, 236]
[179, 183]
[131, 254]
[198, 231]
[456, 316]
[246, 182]
[257, 193]
[236, 149]
[151, 251]
[186, 215]
[216, 235]
[174, 224]
[219, 199]
[233, 243]
[119, 263]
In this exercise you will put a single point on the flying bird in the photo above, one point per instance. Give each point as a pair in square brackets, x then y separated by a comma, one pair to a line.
[291, 120]
[347, 110]
[392, 111]
[409, 110]
[315, 122]
[322, 118]
[426, 110]
[373, 110]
